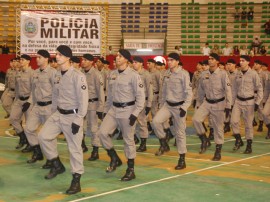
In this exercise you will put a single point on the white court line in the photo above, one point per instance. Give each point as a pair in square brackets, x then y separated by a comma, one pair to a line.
[165, 179]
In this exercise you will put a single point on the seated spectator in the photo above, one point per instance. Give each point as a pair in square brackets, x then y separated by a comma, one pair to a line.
[250, 14]
[252, 52]
[5, 49]
[263, 51]
[215, 49]
[236, 51]
[244, 14]
[180, 50]
[226, 51]
[243, 50]
[267, 27]
[237, 15]
[256, 44]
[206, 50]
[110, 51]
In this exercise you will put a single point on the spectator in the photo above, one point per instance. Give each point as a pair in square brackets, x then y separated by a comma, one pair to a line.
[237, 15]
[256, 44]
[263, 51]
[227, 50]
[176, 50]
[252, 52]
[215, 49]
[206, 50]
[243, 50]
[110, 51]
[250, 14]
[267, 27]
[5, 49]
[180, 50]
[236, 51]
[244, 14]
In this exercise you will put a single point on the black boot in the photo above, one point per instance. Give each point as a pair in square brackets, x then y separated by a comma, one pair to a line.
[254, 122]
[238, 142]
[57, 168]
[217, 155]
[181, 163]
[260, 128]
[211, 134]
[136, 139]
[115, 161]
[94, 154]
[47, 165]
[169, 134]
[22, 140]
[164, 147]
[84, 147]
[37, 155]
[142, 146]
[268, 132]
[28, 148]
[130, 174]
[204, 143]
[120, 136]
[227, 127]
[75, 186]
[249, 147]
[149, 127]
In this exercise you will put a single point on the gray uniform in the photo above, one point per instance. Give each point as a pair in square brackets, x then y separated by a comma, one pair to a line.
[176, 94]
[263, 75]
[23, 88]
[105, 73]
[216, 90]
[95, 84]
[156, 87]
[70, 98]
[123, 88]
[246, 85]
[41, 100]
[266, 101]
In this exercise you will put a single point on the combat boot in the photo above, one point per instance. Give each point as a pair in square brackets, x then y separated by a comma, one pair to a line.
[28, 148]
[169, 134]
[75, 186]
[47, 165]
[22, 140]
[217, 155]
[204, 143]
[227, 127]
[136, 139]
[164, 147]
[84, 147]
[130, 174]
[115, 161]
[142, 146]
[181, 163]
[94, 154]
[57, 168]
[211, 134]
[260, 128]
[249, 147]
[268, 132]
[238, 142]
[254, 122]
[37, 155]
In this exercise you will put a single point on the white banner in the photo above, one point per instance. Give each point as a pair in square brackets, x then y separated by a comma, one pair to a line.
[143, 43]
[49, 29]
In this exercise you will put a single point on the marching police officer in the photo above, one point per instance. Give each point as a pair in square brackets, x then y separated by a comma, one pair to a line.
[266, 104]
[70, 102]
[175, 100]
[214, 86]
[125, 101]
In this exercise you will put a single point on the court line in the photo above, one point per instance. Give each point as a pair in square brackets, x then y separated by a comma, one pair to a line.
[165, 179]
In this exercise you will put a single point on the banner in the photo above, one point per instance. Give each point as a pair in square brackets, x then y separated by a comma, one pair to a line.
[49, 29]
[143, 43]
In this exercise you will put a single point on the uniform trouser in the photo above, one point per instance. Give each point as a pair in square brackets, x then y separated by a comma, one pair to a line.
[48, 142]
[266, 112]
[7, 100]
[109, 124]
[217, 120]
[92, 127]
[179, 125]
[260, 112]
[16, 115]
[34, 120]
[141, 128]
[209, 118]
[248, 114]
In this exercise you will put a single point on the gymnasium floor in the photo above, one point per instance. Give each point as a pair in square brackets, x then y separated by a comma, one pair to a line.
[237, 177]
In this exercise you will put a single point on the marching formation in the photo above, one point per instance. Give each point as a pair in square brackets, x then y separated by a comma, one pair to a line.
[62, 97]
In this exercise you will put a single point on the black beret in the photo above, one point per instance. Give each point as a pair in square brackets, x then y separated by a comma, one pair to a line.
[52, 60]
[258, 62]
[88, 56]
[65, 50]
[264, 64]
[201, 63]
[231, 61]
[158, 63]
[138, 59]
[26, 57]
[222, 63]
[246, 57]
[174, 56]
[75, 59]
[151, 60]
[126, 54]
[44, 53]
[215, 56]
[106, 62]
[205, 62]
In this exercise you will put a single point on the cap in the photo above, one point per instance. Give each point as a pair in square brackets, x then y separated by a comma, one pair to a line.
[106, 62]
[158, 63]
[88, 56]
[26, 57]
[214, 55]
[205, 62]
[258, 62]
[44, 53]
[246, 57]
[138, 59]
[151, 60]
[174, 56]
[231, 61]
[75, 59]
[65, 50]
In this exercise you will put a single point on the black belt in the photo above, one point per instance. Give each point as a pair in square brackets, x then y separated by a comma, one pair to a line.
[214, 101]
[12, 89]
[24, 98]
[174, 104]
[156, 93]
[69, 111]
[44, 103]
[93, 100]
[124, 104]
[244, 99]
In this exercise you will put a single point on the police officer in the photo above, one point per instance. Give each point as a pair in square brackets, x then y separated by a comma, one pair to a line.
[247, 82]
[75, 62]
[41, 100]
[175, 100]
[95, 84]
[195, 82]
[214, 86]
[23, 86]
[70, 102]
[125, 101]
[266, 104]
[148, 90]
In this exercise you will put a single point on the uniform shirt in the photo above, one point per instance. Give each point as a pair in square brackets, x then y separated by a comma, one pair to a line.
[95, 84]
[177, 87]
[70, 92]
[263, 75]
[266, 91]
[195, 83]
[246, 85]
[148, 87]
[104, 72]
[10, 78]
[125, 87]
[232, 77]
[23, 82]
[215, 86]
